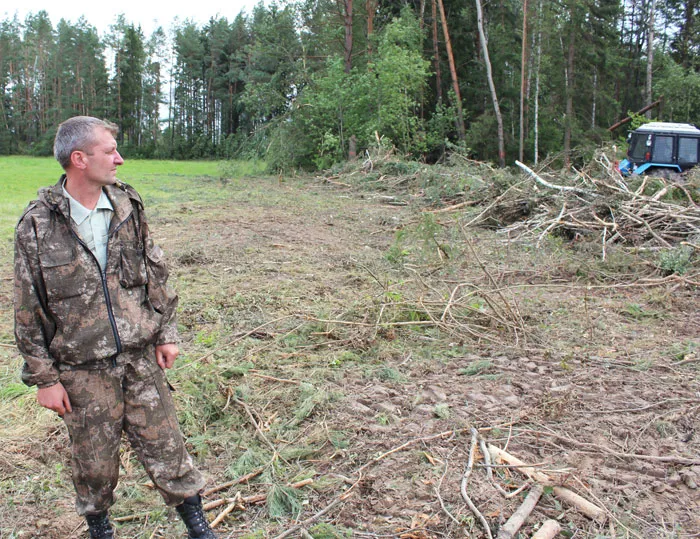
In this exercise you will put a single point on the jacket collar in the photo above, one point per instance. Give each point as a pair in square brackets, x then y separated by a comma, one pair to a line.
[119, 194]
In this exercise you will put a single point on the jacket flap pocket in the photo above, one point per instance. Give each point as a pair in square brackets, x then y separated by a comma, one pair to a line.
[56, 257]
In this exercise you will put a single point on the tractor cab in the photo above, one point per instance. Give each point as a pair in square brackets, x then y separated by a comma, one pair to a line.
[661, 148]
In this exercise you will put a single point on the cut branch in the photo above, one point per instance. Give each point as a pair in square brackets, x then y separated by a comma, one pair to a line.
[587, 508]
[551, 185]
[549, 530]
[224, 486]
[516, 521]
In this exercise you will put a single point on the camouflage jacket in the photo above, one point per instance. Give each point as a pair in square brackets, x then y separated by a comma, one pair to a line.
[68, 313]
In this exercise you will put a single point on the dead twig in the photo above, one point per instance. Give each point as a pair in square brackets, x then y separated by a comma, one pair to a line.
[492, 205]
[339, 184]
[512, 310]
[243, 479]
[247, 500]
[643, 408]
[454, 207]
[585, 446]
[489, 472]
[463, 487]
[235, 504]
[439, 497]
[272, 378]
[553, 224]
[685, 361]
[359, 473]
[131, 518]
[236, 340]
[610, 514]
[405, 445]
[259, 431]
[311, 519]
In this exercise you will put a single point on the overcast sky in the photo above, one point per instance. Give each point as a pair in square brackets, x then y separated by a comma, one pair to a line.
[148, 13]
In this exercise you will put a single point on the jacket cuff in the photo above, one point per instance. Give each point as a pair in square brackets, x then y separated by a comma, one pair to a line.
[168, 334]
[41, 380]
[47, 384]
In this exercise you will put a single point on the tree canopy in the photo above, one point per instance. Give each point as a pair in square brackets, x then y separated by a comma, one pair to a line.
[307, 83]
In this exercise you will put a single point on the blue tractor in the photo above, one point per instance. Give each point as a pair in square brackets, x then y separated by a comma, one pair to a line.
[661, 149]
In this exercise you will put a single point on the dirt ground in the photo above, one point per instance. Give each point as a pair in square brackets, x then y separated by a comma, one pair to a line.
[306, 341]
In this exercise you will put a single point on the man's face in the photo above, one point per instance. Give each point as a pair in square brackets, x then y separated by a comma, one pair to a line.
[102, 159]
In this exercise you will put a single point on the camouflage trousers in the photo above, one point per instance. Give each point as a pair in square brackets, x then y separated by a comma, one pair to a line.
[132, 397]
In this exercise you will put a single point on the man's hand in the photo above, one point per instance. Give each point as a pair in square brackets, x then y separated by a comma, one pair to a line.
[54, 398]
[166, 354]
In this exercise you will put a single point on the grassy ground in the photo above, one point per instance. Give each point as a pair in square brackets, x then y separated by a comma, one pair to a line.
[21, 178]
[338, 347]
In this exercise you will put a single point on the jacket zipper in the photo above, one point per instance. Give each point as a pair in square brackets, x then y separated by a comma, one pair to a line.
[105, 289]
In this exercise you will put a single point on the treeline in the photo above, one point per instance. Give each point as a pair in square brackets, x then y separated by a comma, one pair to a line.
[310, 83]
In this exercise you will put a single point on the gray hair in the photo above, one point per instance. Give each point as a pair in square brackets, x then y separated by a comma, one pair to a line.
[78, 134]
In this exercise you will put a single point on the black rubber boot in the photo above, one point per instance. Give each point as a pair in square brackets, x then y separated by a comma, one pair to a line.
[192, 515]
[99, 525]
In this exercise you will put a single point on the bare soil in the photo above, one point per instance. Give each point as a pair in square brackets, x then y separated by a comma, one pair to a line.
[307, 344]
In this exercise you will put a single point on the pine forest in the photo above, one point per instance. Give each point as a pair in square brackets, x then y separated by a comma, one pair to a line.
[311, 83]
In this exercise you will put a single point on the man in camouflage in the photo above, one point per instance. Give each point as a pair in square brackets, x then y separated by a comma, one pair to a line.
[95, 323]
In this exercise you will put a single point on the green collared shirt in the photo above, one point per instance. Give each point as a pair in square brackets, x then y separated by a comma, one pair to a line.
[93, 225]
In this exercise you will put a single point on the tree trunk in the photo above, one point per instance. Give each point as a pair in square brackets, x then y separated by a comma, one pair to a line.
[371, 6]
[650, 55]
[569, 74]
[119, 97]
[352, 148]
[687, 33]
[453, 72]
[523, 59]
[595, 97]
[436, 55]
[537, 81]
[492, 87]
[347, 22]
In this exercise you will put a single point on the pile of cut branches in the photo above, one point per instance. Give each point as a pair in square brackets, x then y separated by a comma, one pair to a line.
[657, 213]
[453, 184]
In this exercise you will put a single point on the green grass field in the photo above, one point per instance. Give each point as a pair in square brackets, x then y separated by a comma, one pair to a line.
[161, 181]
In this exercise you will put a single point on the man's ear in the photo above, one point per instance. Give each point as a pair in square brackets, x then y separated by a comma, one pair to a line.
[77, 159]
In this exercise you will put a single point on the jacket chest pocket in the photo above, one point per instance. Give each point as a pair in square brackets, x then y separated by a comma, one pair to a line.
[64, 275]
[132, 267]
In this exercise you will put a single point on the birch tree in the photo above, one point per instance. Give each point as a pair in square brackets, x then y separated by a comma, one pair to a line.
[523, 69]
[538, 65]
[492, 87]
